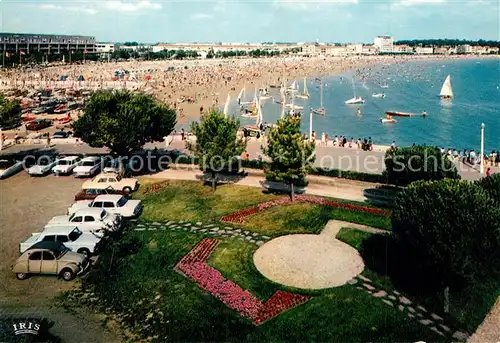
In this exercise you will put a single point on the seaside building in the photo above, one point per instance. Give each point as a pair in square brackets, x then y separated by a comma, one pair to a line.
[57, 44]
[105, 48]
[464, 49]
[309, 50]
[385, 44]
[403, 49]
[370, 50]
[354, 49]
[424, 50]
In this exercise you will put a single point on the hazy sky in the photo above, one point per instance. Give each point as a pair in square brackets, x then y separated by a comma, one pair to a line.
[253, 20]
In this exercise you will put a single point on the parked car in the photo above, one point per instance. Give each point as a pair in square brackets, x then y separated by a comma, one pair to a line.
[38, 124]
[43, 166]
[53, 258]
[9, 168]
[96, 220]
[85, 243]
[123, 168]
[89, 166]
[38, 110]
[66, 165]
[60, 134]
[112, 203]
[92, 193]
[112, 180]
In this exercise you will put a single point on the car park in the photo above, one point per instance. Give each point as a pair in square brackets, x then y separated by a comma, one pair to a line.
[9, 167]
[92, 193]
[89, 166]
[73, 238]
[112, 180]
[96, 220]
[50, 258]
[112, 203]
[43, 166]
[38, 124]
[66, 165]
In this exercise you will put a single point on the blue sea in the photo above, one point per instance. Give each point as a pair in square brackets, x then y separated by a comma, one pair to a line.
[412, 87]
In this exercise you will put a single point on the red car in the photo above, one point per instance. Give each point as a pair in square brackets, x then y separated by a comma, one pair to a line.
[92, 193]
[38, 124]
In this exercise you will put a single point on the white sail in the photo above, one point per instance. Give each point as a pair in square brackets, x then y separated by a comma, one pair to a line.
[306, 91]
[226, 106]
[241, 93]
[446, 90]
[259, 114]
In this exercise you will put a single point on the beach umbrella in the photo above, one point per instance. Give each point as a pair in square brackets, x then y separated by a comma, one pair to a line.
[80, 78]
[86, 76]
[148, 77]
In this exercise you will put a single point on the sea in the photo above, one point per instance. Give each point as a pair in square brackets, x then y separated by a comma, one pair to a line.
[409, 87]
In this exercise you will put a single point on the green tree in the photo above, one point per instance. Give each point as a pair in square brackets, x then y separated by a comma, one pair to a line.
[491, 184]
[405, 165]
[217, 144]
[10, 113]
[451, 227]
[123, 121]
[292, 156]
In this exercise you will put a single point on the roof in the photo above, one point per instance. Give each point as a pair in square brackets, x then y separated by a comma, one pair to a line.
[69, 158]
[50, 245]
[91, 158]
[90, 210]
[108, 197]
[59, 229]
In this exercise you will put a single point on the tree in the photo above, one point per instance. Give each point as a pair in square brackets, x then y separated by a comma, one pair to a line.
[217, 144]
[10, 113]
[123, 121]
[292, 156]
[451, 227]
[406, 165]
[491, 184]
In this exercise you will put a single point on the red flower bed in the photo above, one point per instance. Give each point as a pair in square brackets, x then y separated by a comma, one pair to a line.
[194, 266]
[239, 216]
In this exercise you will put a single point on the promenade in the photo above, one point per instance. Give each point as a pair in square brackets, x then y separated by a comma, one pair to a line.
[328, 157]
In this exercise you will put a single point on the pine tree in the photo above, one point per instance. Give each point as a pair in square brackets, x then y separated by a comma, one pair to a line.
[292, 156]
[217, 144]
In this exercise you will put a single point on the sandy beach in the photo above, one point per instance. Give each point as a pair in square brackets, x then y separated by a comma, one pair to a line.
[205, 82]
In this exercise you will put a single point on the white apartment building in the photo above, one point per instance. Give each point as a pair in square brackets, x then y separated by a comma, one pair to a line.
[105, 47]
[464, 49]
[354, 49]
[385, 44]
[402, 48]
[424, 51]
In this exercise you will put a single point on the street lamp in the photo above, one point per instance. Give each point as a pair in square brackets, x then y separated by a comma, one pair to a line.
[481, 167]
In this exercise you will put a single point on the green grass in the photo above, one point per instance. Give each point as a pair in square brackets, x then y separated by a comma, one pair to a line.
[307, 218]
[353, 237]
[192, 201]
[144, 285]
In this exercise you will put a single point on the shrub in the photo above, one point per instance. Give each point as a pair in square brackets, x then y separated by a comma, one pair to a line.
[451, 227]
[406, 165]
[491, 185]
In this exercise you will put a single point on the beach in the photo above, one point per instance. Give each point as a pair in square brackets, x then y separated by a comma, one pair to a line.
[205, 82]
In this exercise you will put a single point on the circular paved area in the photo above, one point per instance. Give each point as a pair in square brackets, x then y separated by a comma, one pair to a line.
[308, 261]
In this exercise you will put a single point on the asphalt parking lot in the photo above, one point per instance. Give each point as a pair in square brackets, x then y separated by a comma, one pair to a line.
[26, 205]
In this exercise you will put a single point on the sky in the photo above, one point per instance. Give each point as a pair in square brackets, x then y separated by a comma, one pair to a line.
[152, 21]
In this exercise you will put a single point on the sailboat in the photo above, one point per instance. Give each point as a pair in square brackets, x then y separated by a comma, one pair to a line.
[258, 119]
[226, 106]
[264, 94]
[293, 88]
[355, 100]
[321, 110]
[305, 94]
[242, 96]
[446, 90]
[292, 106]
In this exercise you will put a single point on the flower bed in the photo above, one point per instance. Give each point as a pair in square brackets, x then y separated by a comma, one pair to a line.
[194, 266]
[239, 216]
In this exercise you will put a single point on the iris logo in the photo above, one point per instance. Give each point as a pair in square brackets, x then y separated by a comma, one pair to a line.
[23, 328]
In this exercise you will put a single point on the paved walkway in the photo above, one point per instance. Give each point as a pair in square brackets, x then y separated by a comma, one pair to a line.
[489, 330]
[337, 189]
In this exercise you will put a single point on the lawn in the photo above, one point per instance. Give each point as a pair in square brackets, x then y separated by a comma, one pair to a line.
[151, 299]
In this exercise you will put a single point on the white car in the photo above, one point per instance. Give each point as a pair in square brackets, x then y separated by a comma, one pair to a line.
[66, 165]
[113, 181]
[94, 220]
[9, 167]
[113, 203]
[88, 167]
[74, 239]
[43, 166]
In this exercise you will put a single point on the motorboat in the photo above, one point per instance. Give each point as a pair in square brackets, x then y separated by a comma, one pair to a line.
[321, 111]
[400, 114]
[378, 95]
[388, 120]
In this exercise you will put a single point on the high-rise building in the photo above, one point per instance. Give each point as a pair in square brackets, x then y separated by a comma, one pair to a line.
[384, 43]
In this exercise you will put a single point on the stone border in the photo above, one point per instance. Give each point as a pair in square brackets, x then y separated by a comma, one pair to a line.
[416, 312]
[206, 230]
